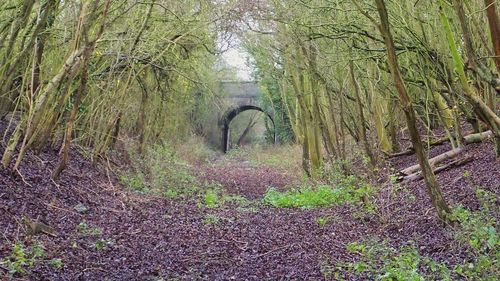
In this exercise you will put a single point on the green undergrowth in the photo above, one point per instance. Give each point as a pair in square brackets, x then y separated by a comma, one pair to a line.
[479, 231]
[476, 231]
[322, 221]
[216, 197]
[345, 190]
[160, 171]
[23, 257]
[378, 260]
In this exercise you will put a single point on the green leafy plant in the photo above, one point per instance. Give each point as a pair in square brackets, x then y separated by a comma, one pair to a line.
[103, 243]
[309, 197]
[56, 263]
[211, 219]
[100, 244]
[84, 228]
[394, 179]
[466, 174]
[171, 193]
[22, 257]
[211, 199]
[403, 266]
[379, 259]
[322, 221]
[215, 197]
[238, 200]
[135, 181]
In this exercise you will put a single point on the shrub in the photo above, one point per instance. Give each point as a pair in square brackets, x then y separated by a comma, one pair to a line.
[309, 197]
[160, 171]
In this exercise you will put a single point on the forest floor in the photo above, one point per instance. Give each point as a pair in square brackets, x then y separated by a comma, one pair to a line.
[121, 234]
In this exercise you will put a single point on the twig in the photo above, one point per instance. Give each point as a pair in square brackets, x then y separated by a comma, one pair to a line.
[107, 173]
[90, 269]
[22, 178]
[113, 210]
[244, 248]
[55, 183]
[40, 159]
[5, 236]
[62, 209]
[275, 250]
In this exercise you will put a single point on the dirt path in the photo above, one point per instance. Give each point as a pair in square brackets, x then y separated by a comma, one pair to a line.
[147, 238]
[127, 236]
[241, 177]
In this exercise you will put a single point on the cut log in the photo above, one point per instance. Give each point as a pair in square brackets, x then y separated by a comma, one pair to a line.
[433, 161]
[418, 175]
[479, 137]
[409, 151]
[439, 141]
[472, 138]
[469, 139]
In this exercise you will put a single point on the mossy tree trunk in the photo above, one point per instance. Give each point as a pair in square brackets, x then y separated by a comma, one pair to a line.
[433, 188]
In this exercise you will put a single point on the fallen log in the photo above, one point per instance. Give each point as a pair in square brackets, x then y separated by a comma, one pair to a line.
[433, 161]
[479, 137]
[469, 139]
[472, 138]
[418, 175]
[409, 151]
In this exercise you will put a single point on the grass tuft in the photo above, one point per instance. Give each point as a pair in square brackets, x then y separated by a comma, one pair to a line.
[316, 197]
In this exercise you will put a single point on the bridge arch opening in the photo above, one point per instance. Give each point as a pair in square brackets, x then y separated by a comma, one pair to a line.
[231, 114]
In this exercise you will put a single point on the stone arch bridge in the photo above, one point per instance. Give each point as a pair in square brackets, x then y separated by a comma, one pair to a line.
[239, 96]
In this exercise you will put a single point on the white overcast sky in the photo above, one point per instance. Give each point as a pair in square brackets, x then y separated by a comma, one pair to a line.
[237, 58]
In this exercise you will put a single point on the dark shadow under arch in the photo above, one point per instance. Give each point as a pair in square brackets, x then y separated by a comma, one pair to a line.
[231, 114]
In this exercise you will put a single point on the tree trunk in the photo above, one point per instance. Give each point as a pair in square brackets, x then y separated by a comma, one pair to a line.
[71, 121]
[433, 161]
[393, 126]
[480, 107]
[87, 52]
[249, 126]
[491, 13]
[433, 187]
[362, 120]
